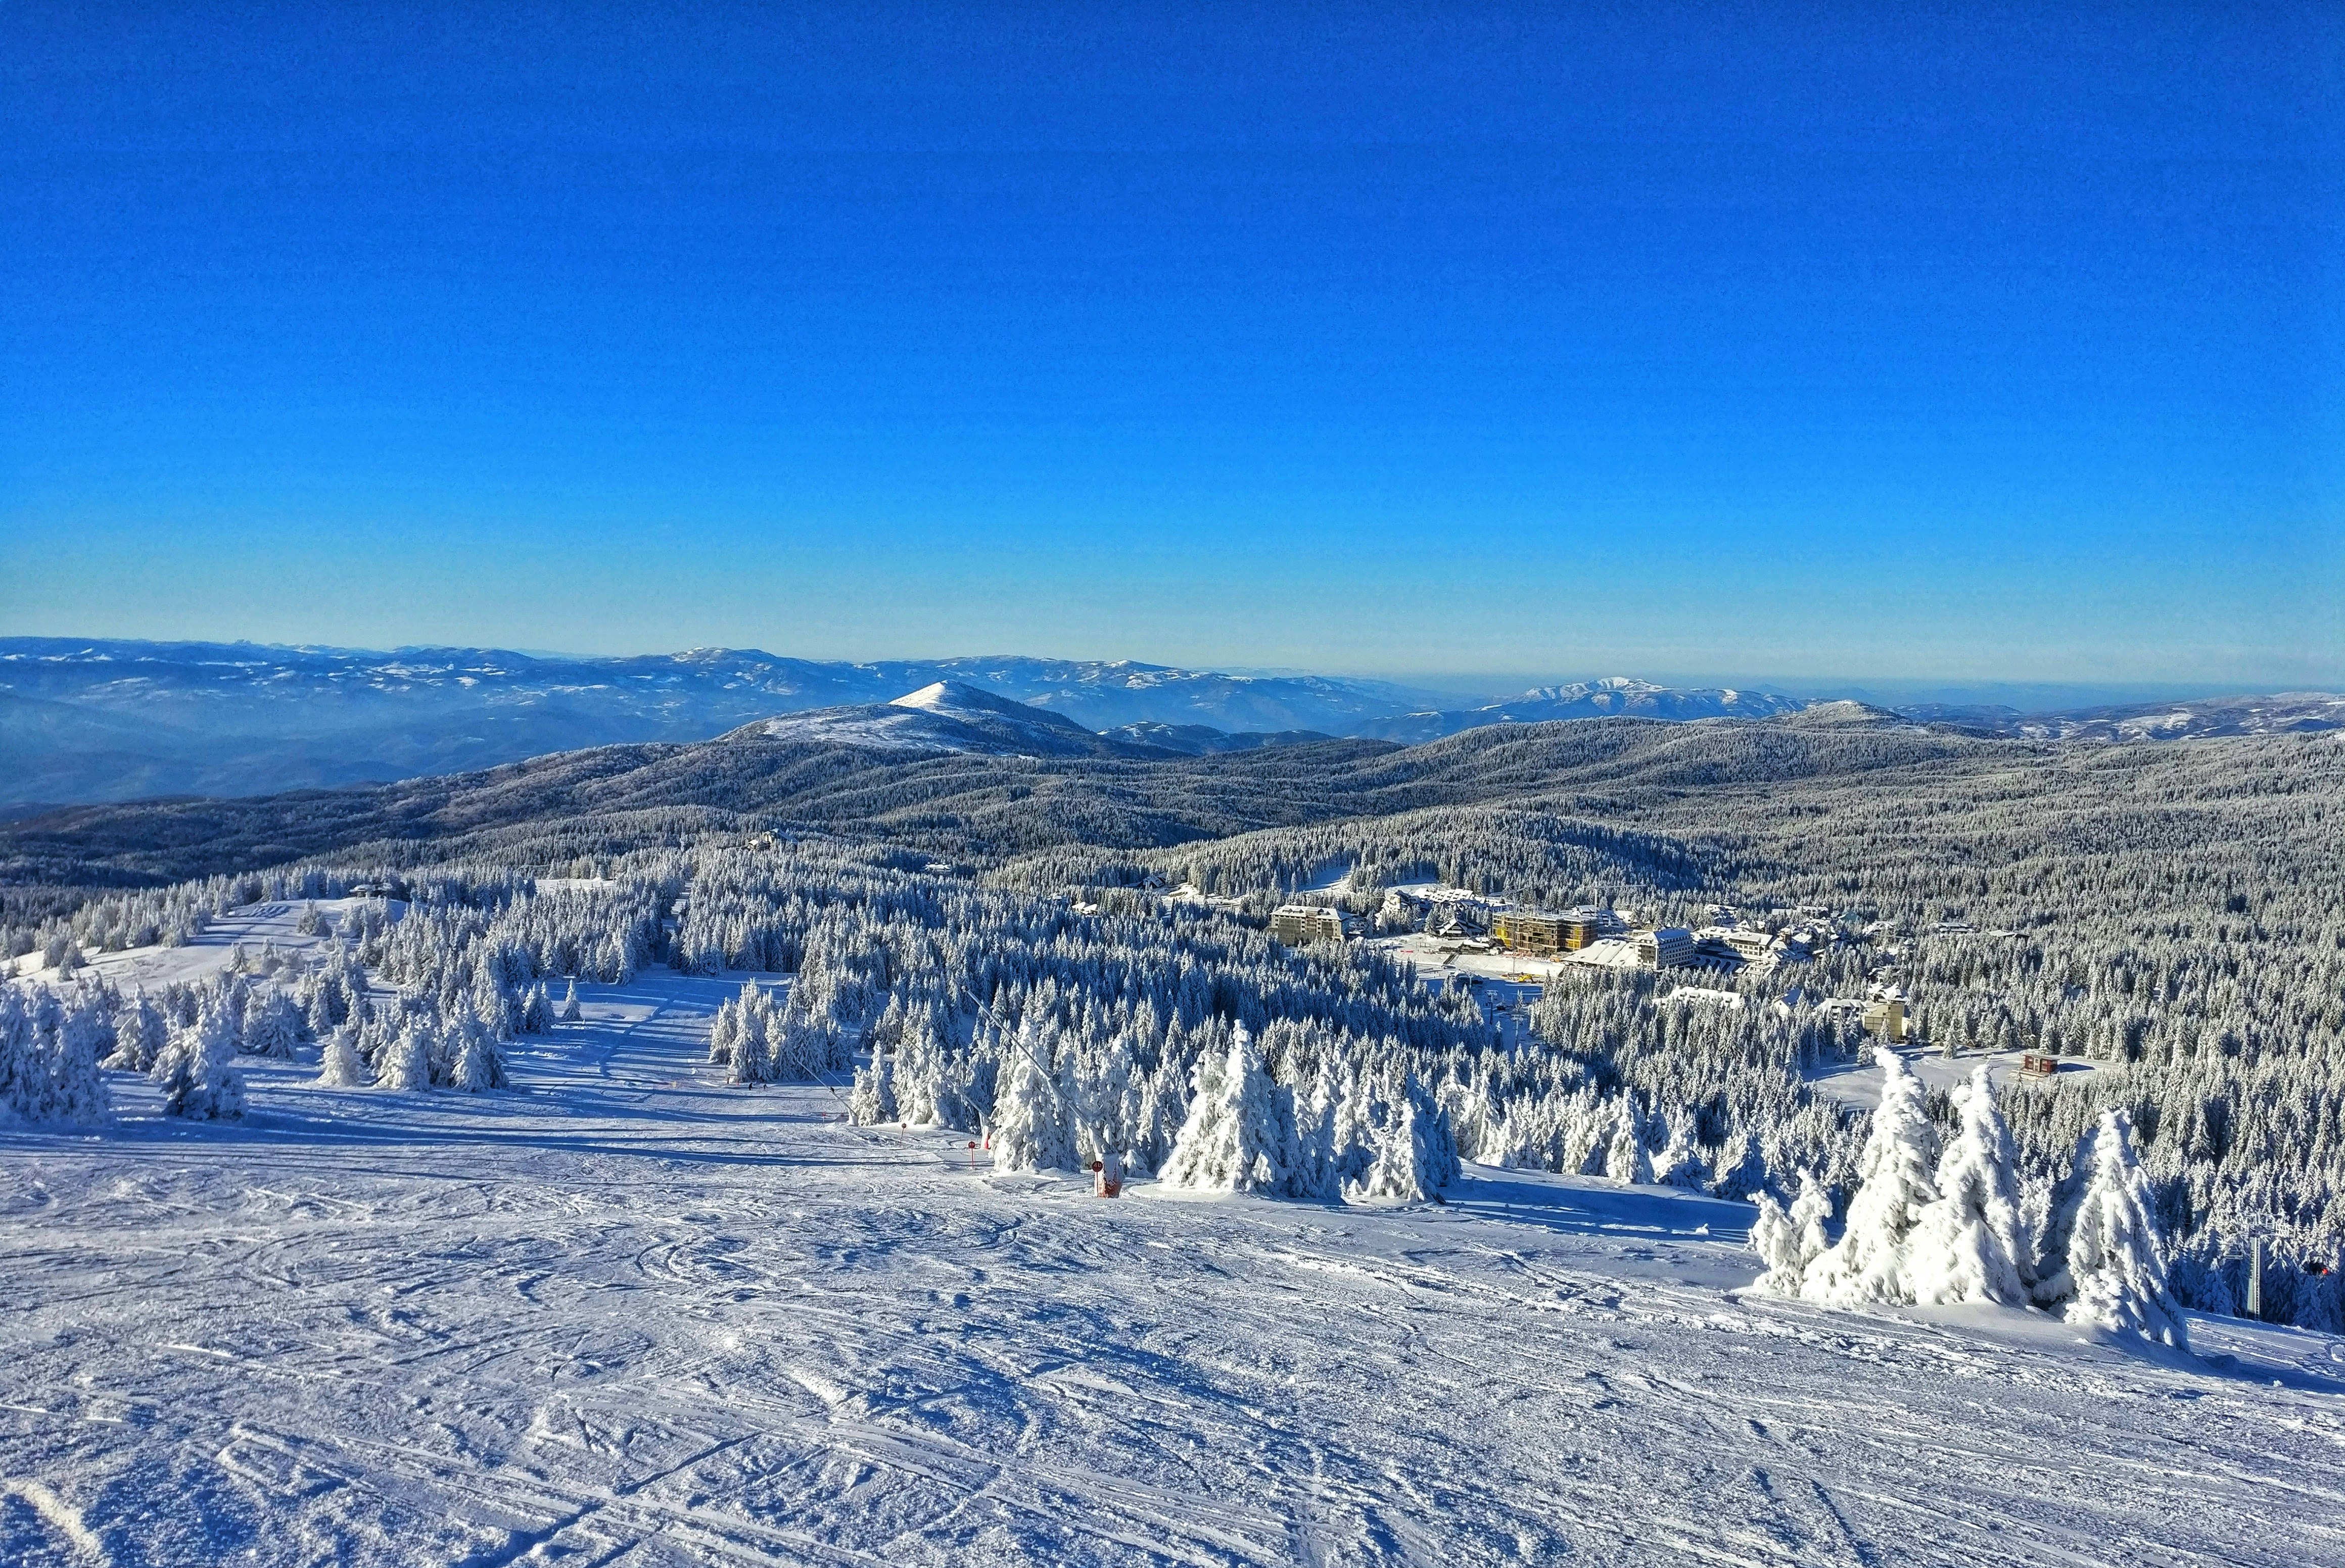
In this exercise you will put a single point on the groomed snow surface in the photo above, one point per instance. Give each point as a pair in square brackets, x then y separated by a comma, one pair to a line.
[629, 1315]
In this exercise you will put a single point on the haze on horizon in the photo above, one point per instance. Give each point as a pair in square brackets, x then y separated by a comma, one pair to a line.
[1794, 348]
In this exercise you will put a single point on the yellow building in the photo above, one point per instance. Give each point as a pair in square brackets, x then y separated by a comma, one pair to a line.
[1543, 931]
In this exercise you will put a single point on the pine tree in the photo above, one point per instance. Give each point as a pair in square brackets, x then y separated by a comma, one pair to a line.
[872, 1101]
[1776, 1240]
[1416, 1155]
[1970, 1244]
[197, 1071]
[271, 1025]
[480, 1060]
[406, 1058]
[1682, 1164]
[2117, 1259]
[140, 1034]
[1895, 1170]
[570, 1009]
[341, 1066]
[1625, 1158]
[1235, 1139]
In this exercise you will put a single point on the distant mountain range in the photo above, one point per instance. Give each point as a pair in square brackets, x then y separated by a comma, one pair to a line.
[90, 721]
[1613, 697]
[85, 721]
[2281, 713]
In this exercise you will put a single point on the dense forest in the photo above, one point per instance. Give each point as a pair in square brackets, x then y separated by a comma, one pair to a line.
[2168, 916]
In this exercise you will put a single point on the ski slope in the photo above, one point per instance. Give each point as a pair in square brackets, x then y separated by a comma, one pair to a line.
[629, 1315]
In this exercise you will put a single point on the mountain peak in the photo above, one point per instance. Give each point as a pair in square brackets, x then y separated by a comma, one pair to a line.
[944, 696]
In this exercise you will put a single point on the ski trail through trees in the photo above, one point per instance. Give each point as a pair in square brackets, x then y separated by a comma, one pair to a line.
[628, 1314]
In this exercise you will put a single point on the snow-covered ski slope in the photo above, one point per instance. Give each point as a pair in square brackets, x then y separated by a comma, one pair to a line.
[630, 1315]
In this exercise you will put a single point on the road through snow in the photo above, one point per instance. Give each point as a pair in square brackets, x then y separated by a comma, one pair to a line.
[630, 1315]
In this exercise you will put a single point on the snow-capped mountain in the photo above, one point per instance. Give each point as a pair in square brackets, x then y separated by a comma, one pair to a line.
[1613, 695]
[942, 716]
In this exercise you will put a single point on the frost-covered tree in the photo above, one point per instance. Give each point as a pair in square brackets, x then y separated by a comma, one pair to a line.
[1897, 1172]
[405, 1063]
[872, 1101]
[1625, 1156]
[1029, 1129]
[48, 1057]
[1772, 1237]
[197, 1071]
[1236, 1139]
[478, 1059]
[1414, 1155]
[1971, 1243]
[1790, 1243]
[272, 1024]
[2116, 1259]
[571, 1013]
[140, 1034]
[341, 1066]
[1681, 1163]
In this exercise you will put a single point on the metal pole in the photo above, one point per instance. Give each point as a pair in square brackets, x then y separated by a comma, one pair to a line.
[2256, 1278]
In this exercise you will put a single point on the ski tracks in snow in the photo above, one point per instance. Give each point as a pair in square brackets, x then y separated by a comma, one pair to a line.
[631, 1316]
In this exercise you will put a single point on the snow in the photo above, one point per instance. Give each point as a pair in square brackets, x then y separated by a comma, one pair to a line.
[630, 1315]
[937, 697]
[1857, 1083]
[252, 925]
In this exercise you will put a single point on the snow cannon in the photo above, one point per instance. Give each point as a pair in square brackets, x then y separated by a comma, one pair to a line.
[1107, 1177]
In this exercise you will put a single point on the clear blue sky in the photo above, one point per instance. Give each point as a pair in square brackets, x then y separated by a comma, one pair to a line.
[1886, 340]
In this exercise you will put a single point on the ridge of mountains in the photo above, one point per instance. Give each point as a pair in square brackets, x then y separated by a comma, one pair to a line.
[90, 721]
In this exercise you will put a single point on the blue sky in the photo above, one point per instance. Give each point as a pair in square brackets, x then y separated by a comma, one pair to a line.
[1866, 342]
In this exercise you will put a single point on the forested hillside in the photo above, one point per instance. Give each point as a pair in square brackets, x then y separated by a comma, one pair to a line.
[978, 808]
[969, 934]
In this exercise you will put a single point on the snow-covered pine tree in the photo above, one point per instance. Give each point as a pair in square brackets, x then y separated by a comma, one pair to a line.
[1318, 1169]
[1682, 1164]
[48, 1058]
[319, 1013]
[570, 1009]
[1810, 1211]
[1625, 1158]
[2117, 1259]
[1028, 1127]
[272, 1025]
[197, 1071]
[341, 1066]
[1103, 1095]
[1897, 1170]
[1156, 1120]
[1236, 1138]
[1415, 1153]
[85, 1032]
[1971, 1244]
[479, 1063]
[872, 1101]
[406, 1059]
[140, 1033]
[1741, 1167]
[1776, 1240]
